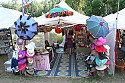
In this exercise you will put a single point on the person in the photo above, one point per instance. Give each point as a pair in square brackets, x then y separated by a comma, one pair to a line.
[69, 43]
[47, 44]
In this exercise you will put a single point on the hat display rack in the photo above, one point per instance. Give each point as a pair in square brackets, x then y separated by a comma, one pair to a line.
[98, 60]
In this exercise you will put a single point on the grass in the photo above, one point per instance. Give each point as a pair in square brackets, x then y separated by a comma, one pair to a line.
[117, 78]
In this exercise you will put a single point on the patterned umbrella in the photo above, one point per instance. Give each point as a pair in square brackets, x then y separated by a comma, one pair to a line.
[97, 26]
[26, 27]
[58, 11]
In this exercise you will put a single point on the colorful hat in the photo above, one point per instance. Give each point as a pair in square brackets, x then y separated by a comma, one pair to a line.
[100, 48]
[101, 67]
[21, 54]
[19, 41]
[22, 61]
[22, 67]
[30, 50]
[100, 62]
[100, 41]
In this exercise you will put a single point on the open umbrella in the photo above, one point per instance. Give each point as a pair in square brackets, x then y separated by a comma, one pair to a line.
[26, 27]
[97, 26]
[58, 11]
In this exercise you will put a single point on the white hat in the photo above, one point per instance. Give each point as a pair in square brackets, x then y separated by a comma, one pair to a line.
[107, 47]
[30, 50]
[32, 43]
[101, 67]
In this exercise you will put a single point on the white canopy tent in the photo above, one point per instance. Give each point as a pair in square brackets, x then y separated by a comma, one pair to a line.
[76, 18]
[115, 21]
[8, 17]
[116, 18]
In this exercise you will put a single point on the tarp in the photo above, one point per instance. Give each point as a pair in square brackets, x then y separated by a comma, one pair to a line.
[8, 17]
[76, 18]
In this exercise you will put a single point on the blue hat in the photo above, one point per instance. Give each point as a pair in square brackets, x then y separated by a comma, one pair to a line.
[100, 62]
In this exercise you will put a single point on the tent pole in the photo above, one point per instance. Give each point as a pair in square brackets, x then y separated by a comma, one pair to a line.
[116, 30]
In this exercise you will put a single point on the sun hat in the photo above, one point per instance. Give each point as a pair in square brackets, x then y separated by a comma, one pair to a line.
[101, 67]
[108, 48]
[100, 48]
[21, 54]
[94, 52]
[100, 62]
[32, 43]
[30, 60]
[100, 41]
[102, 56]
[30, 50]
[44, 51]
[19, 41]
[21, 61]
[48, 28]
[22, 67]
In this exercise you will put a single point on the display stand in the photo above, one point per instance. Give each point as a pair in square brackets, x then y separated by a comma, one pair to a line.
[5, 41]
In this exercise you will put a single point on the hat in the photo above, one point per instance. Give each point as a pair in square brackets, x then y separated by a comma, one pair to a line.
[44, 51]
[100, 48]
[102, 56]
[30, 60]
[94, 52]
[48, 28]
[107, 52]
[30, 50]
[22, 67]
[32, 43]
[21, 54]
[101, 67]
[100, 41]
[19, 41]
[100, 62]
[21, 61]
[92, 46]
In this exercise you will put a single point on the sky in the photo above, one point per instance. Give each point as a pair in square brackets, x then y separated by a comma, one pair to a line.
[20, 1]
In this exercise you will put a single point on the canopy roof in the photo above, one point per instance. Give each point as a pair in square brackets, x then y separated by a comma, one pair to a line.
[8, 17]
[76, 18]
[116, 20]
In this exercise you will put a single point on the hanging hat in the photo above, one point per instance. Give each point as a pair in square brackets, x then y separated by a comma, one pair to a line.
[30, 60]
[48, 28]
[100, 41]
[19, 41]
[108, 48]
[100, 48]
[21, 54]
[100, 62]
[30, 50]
[94, 52]
[101, 67]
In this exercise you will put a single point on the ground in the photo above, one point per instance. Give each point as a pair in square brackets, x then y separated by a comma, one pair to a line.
[8, 77]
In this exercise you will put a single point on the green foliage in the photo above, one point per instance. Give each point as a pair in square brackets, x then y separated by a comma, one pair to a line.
[54, 37]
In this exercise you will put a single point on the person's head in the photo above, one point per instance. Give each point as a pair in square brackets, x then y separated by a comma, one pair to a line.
[46, 42]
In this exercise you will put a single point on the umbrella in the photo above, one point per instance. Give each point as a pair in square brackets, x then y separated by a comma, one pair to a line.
[97, 26]
[58, 11]
[26, 27]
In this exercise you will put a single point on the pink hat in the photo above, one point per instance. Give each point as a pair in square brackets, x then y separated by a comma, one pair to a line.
[100, 41]
[100, 48]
